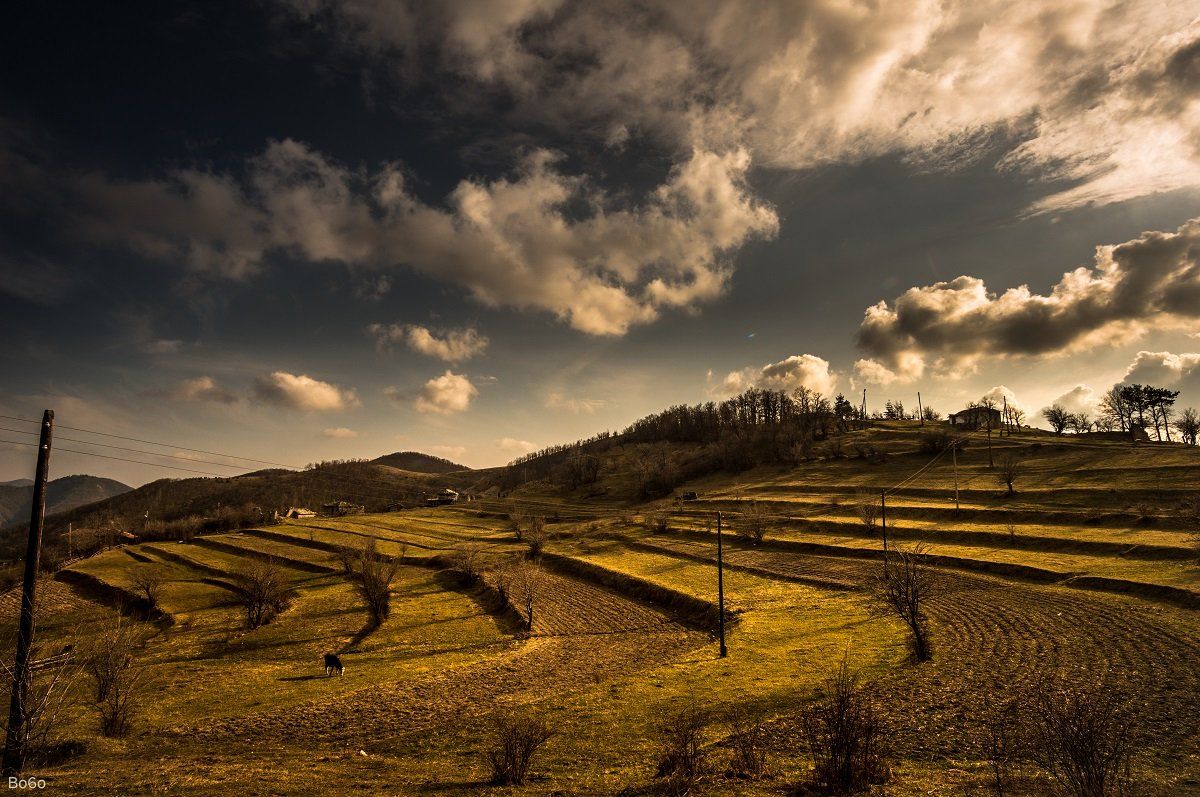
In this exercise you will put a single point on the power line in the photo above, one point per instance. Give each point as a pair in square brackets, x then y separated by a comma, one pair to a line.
[121, 459]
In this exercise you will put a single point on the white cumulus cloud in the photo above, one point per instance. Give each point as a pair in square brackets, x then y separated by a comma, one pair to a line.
[799, 370]
[446, 394]
[451, 345]
[302, 392]
[339, 433]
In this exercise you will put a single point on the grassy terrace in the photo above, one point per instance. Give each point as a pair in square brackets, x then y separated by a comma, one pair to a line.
[1172, 573]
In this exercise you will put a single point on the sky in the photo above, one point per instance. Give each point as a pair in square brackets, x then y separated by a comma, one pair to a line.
[299, 230]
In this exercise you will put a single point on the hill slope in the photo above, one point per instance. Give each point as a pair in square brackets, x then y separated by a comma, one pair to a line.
[62, 495]
[417, 462]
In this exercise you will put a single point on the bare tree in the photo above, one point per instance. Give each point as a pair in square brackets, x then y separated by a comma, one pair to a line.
[148, 584]
[518, 737]
[753, 524]
[526, 582]
[263, 591]
[1081, 735]
[50, 696]
[374, 579]
[845, 734]
[536, 536]
[1057, 417]
[1010, 470]
[902, 589]
[467, 562]
[1080, 422]
[1188, 426]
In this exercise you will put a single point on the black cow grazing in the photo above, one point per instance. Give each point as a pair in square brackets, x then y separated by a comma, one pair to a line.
[333, 664]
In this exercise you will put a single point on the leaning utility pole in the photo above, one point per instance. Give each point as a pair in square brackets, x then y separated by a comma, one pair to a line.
[1004, 418]
[721, 590]
[954, 454]
[14, 741]
[883, 515]
[920, 409]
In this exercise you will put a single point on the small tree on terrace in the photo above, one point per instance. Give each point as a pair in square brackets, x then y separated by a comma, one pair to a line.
[262, 591]
[930, 414]
[148, 584]
[526, 584]
[1010, 469]
[753, 524]
[902, 589]
[1188, 426]
[373, 581]
[1057, 417]
[868, 511]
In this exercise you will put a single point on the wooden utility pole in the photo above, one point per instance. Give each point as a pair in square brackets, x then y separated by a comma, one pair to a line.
[991, 463]
[862, 413]
[1004, 418]
[721, 590]
[954, 454]
[883, 516]
[14, 741]
[920, 409]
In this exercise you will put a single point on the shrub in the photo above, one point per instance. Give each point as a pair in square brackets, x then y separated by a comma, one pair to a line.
[374, 581]
[121, 705]
[111, 654]
[1010, 470]
[747, 738]
[845, 735]
[1080, 735]
[753, 525]
[517, 738]
[935, 441]
[902, 589]
[683, 761]
[467, 563]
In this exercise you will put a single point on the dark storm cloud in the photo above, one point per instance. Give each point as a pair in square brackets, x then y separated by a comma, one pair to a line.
[1153, 280]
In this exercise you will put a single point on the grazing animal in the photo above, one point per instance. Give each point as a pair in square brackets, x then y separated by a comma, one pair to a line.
[333, 664]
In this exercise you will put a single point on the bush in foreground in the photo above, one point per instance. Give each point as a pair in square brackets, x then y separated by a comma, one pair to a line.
[517, 737]
[845, 734]
[684, 761]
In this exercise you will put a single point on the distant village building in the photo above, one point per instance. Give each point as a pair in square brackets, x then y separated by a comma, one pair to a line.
[446, 496]
[976, 418]
[341, 509]
[298, 512]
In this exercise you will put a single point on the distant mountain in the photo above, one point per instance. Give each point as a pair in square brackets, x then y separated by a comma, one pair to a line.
[62, 495]
[417, 462]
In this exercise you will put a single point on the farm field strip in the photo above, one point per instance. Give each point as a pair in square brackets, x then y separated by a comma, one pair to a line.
[284, 553]
[1182, 574]
[1133, 543]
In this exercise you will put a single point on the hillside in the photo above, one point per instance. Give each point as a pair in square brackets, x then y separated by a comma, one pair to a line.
[62, 495]
[417, 462]
[1089, 567]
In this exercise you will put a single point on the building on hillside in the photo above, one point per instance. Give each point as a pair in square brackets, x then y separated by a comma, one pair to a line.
[976, 418]
[299, 513]
[341, 509]
[446, 496]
